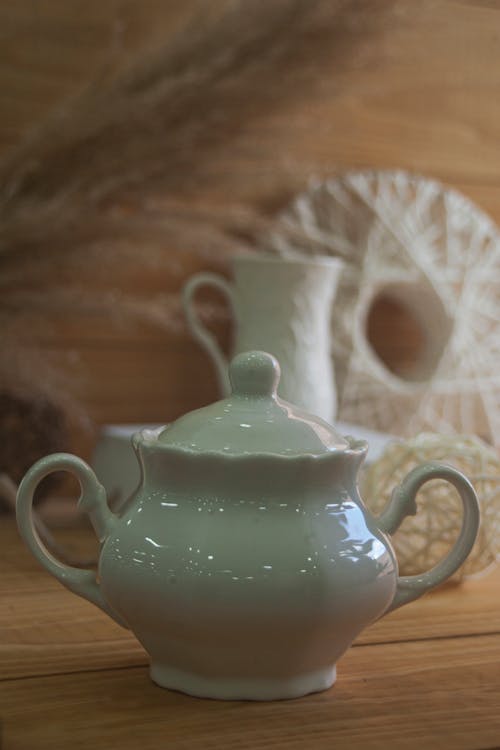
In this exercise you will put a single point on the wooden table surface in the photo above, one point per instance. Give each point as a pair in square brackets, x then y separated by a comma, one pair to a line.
[427, 676]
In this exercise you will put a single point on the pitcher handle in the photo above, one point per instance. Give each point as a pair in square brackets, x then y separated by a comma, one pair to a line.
[199, 331]
[412, 587]
[92, 500]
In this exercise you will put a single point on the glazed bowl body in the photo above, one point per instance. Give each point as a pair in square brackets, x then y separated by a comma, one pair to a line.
[246, 576]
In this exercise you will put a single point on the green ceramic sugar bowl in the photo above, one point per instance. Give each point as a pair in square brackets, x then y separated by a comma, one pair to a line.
[246, 562]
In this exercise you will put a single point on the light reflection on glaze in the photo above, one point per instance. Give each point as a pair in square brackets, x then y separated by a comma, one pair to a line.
[341, 527]
[155, 544]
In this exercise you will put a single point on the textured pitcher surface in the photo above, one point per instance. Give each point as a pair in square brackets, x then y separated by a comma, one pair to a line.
[282, 307]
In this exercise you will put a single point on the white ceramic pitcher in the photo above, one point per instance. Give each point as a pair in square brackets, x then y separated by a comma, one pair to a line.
[282, 306]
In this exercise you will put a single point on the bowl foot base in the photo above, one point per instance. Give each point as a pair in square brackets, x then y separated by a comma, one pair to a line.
[264, 689]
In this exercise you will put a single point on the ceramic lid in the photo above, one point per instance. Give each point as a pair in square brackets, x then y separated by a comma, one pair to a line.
[253, 419]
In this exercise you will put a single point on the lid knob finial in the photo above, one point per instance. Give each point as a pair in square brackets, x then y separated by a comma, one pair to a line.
[254, 374]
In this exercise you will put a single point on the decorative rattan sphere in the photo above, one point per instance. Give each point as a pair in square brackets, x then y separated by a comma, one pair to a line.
[424, 539]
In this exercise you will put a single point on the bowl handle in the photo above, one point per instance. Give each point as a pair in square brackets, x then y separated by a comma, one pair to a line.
[403, 504]
[92, 501]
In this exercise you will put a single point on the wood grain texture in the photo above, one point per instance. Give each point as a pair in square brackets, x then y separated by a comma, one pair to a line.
[53, 49]
[412, 695]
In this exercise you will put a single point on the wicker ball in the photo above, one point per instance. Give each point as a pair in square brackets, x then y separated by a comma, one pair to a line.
[424, 539]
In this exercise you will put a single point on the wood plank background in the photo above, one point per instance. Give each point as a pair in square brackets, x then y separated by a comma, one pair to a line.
[421, 95]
